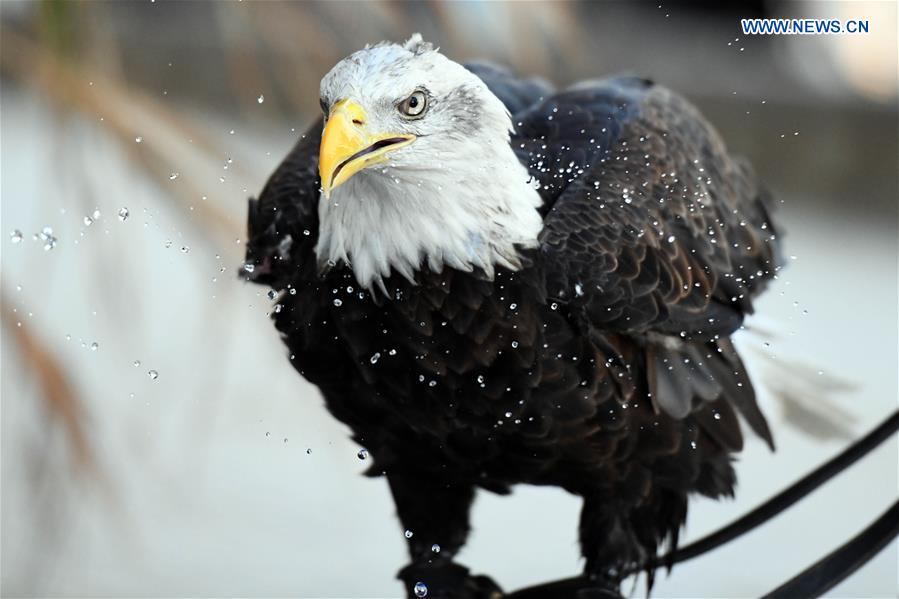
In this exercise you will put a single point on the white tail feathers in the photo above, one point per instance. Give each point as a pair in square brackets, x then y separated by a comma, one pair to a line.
[805, 396]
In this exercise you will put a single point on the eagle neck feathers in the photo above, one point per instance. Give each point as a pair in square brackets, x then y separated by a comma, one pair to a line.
[475, 211]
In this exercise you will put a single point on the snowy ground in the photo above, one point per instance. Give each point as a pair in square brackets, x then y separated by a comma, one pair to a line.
[226, 477]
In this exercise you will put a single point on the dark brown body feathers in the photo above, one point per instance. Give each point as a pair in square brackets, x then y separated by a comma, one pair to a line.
[604, 366]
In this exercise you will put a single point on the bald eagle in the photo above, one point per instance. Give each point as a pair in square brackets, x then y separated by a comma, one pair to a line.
[495, 282]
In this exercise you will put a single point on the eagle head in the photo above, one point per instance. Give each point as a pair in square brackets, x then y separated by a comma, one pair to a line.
[416, 168]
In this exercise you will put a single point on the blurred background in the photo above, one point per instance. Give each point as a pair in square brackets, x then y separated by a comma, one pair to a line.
[155, 441]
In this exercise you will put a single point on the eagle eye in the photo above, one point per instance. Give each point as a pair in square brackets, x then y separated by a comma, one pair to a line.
[414, 106]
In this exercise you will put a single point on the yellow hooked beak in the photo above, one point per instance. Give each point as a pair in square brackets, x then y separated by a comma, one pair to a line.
[348, 147]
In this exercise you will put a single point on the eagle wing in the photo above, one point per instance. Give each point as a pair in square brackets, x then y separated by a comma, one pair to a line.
[653, 230]
[283, 223]
[650, 225]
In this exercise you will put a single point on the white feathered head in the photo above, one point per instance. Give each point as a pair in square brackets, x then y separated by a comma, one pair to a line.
[416, 168]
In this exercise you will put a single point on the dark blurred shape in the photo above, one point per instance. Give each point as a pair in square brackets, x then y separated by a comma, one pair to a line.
[741, 8]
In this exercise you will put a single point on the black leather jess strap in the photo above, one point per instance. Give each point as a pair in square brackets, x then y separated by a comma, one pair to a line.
[829, 571]
[811, 582]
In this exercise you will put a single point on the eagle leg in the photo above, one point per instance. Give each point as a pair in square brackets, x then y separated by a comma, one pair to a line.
[435, 512]
[608, 545]
[435, 516]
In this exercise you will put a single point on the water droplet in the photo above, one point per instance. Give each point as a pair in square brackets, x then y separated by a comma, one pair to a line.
[420, 589]
[435, 548]
[138, 139]
[95, 346]
[46, 235]
[260, 99]
[88, 221]
[337, 302]
[271, 294]
[185, 249]
[123, 214]
[15, 236]
[136, 363]
[308, 451]
[249, 266]
[408, 534]
[153, 375]
[375, 357]
[174, 176]
[362, 454]
[717, 416]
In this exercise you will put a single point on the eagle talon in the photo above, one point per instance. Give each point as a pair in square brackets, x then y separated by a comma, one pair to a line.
[598, 593]
[604, 585]
[448, 580]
